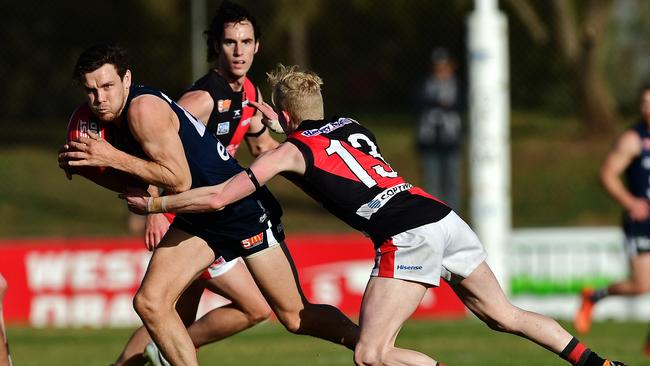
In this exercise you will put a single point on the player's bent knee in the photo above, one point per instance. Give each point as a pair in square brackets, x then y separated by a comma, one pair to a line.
[145, 306]
[290, 320]
[259, 315]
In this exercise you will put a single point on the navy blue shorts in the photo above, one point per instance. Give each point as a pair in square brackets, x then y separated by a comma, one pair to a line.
[229, 245]
[637, 236]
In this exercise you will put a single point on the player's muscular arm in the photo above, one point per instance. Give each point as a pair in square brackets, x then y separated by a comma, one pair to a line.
[285, 158]
[199, 103]
[111, 179]
[117, 181]
[626, 148]
[155, 126]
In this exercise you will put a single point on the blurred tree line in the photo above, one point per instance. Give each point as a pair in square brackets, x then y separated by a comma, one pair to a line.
[567, 57]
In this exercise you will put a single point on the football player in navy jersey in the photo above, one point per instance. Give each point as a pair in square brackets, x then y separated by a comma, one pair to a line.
[629, 158]
[165, 146]
[418, 239]
[220, 99]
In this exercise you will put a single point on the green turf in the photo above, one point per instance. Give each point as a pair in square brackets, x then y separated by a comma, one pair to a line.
[467, 342]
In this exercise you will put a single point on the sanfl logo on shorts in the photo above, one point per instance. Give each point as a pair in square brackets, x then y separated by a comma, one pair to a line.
[253, 241]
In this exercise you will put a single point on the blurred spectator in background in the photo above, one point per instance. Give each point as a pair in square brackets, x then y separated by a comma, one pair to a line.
[5, 358]
[630, 156]
[440, 129]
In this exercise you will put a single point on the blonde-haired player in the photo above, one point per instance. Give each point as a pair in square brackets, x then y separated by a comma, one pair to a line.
[418, 239]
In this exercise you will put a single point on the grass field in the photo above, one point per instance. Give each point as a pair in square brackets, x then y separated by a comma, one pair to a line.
[554, 183]
[466, 342]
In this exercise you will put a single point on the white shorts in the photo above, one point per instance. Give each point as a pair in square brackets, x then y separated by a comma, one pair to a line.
[219, 267]
[447, 248]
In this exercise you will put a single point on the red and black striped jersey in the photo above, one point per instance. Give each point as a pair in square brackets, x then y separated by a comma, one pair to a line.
[346, 173]
[231, 114]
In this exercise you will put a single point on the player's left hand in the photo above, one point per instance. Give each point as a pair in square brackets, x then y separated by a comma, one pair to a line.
[154, 229]
[265, 108]
[89, 151]
[269, 116]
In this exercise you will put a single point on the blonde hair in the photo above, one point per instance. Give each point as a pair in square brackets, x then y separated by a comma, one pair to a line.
[297, 92]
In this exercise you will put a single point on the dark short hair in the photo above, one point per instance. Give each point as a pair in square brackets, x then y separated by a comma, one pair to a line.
[99, 55]
[228, 12]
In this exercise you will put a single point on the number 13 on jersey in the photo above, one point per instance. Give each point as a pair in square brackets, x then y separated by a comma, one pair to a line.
[354, 165]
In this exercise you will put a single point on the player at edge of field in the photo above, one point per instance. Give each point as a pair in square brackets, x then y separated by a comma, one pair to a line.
[167, 147]
[5, 357]
[625, 175]
[219, 99]
[417, 238]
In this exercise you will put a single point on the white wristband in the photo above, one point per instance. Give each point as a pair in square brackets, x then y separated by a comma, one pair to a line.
[157, 204]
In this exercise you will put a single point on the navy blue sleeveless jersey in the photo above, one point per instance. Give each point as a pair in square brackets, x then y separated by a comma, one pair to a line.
[637, 174]
[209, 164]
[637, 180]
[346, 173]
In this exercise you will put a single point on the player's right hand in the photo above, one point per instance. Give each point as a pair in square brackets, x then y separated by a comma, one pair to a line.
[92, 150]
[154, 229]
[639, 210]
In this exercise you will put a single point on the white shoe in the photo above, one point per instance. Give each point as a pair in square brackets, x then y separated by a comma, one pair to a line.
[153, 356]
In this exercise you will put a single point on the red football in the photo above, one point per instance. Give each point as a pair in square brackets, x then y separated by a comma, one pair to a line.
[82, 121]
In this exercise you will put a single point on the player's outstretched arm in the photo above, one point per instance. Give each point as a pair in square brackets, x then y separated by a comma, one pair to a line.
[285, 158]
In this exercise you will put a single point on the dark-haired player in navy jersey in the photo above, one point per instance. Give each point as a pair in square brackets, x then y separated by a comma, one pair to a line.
[165, 146]
[220, 99]
[629, 157]
[418, 239]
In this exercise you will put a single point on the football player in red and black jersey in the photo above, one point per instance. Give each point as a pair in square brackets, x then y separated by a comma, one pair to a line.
[417, 238]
